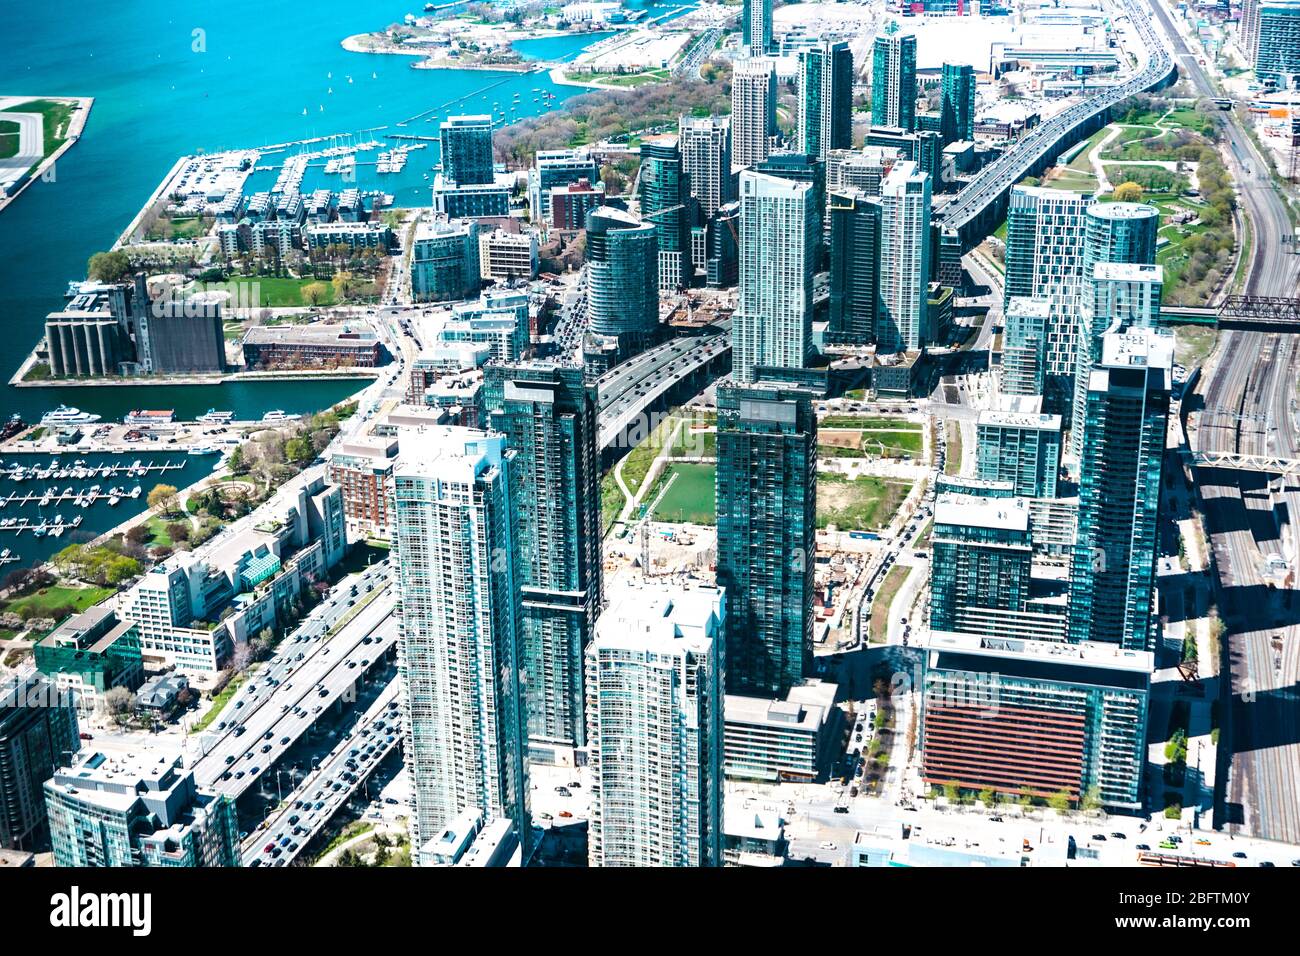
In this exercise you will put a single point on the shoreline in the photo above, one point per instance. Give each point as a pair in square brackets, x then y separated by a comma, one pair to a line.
[287, 375]
[76, 126]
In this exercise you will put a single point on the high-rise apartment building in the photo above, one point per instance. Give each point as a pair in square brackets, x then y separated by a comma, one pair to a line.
[455, 554]
[1024, 345]
[38, 732]
[622, 280]
[1117, 296]
[756, 26]
[466, 143]
[767, 516]
[1044, 260]
[1023, 447]
[705, 143]
[1112, 573]
[893, 81]
[779, 232]
[854, 267]
[981, 561]
[127, 810]
[1119, 232]
[665, 204]
[654, 713]
[904, 260]
[1248, 35]
[825, 98]
[548, 416]
[1277, 41]
[1035, 716]
[557, 169]
[957, 103]
[753, 110]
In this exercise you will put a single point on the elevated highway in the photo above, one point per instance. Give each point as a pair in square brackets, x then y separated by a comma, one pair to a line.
[658, 377]
[981, 204]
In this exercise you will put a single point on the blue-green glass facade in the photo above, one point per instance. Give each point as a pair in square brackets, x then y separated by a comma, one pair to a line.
[1112, 572]
[981, 561]
[854, 268]
[767, 514]
[825, 99]
[548, 416]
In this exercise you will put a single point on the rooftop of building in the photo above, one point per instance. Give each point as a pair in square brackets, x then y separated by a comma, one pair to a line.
[972, 511]
[1086, 653]
[341, 335]
[743, 820]
[1128, 271]
[1009, 419]
[1138, 348]
[806, 707]
[1029, 305]
[1020, 404]
[427, 229]
[447, 453]
[368, 447]
[1122, 210]
[660, 615]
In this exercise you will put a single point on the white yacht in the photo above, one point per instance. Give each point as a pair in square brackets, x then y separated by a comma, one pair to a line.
[214, 417]
[63, 415]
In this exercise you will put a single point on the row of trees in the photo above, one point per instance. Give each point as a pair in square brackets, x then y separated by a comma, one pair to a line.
[593, 117]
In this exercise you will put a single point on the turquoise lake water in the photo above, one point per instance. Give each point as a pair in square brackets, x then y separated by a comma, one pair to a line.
[170, 79]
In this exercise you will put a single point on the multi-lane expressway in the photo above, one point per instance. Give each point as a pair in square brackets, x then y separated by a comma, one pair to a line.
[315, 667]
[1249, 409]
[321, 794]
[631, 387]
[975, 209]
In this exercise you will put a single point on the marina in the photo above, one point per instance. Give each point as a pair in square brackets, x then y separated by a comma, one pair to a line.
[50, 503]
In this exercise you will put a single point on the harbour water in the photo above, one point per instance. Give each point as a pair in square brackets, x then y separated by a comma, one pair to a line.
[46, 500]
[169, 81]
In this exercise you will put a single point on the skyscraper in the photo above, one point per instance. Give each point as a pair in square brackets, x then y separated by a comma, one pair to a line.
[665, 204]
[1118, 296]
[756, 26]
[455, 552]
[467, 149]
[893, 81]
[706, 160]
[753, 110]
[622, 280]
[855, 267]
[38, 732]
[1044, 259]
[825, 98]
[779, 233]
[767, 516]
[1112, 572]
[655, 700]
[1119, 232]
[904, 260]
[957, 103]
[548, 416]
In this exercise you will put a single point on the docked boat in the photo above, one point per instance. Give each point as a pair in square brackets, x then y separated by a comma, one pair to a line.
[276, 417]
[143, 418]
[64, 415]
[214, 417]
[202, 450]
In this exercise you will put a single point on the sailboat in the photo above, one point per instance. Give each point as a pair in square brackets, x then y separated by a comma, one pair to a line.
[329, 76]
[349, 79]
[322, 107]
[304, 111]
[374, 76]
[330, 90]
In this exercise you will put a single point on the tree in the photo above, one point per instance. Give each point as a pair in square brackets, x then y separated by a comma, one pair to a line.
[988, 797]
[1128, 192]
[237, 464]
[119, 701]
[163, 499]
[298, 450]
[1059, 801]
[139, 534]
[952, 790]
[1092, 798]
[315, 292]
[109, 266]
[178, 531]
